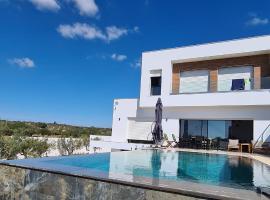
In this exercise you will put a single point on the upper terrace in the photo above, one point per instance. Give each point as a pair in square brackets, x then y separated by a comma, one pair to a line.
[207, 72]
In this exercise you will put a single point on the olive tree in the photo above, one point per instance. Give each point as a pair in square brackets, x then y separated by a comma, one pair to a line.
[67, 146]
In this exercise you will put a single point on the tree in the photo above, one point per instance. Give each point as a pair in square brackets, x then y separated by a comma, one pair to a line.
[29, 147]
[41, 125]
[86, 141]
[10, 147]
[66, 146]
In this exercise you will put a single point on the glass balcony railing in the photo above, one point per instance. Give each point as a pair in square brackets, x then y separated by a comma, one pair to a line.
[224, 85]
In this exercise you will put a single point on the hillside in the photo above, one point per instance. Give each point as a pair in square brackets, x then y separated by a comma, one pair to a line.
[48, 129]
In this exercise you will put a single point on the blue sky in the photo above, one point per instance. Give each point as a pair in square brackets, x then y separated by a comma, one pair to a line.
[66, 60]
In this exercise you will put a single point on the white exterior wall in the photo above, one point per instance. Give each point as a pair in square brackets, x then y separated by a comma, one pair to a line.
[238, 105]
[170, 126]
[260, 115]
[139, 129]
[163, 60]
[258, 128]
[122, 109]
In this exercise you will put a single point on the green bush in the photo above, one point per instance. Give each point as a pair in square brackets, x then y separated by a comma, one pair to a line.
[67, 146]
[10, 147]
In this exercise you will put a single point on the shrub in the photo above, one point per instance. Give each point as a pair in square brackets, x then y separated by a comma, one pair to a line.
[67, 146]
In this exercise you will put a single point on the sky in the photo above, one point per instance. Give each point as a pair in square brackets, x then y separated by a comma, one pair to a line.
[66, 60]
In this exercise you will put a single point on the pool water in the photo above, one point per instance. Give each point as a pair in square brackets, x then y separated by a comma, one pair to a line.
[215, 169]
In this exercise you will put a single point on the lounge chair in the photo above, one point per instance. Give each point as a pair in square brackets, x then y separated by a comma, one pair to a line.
[166, 143]
[233, 145]
[175, 141]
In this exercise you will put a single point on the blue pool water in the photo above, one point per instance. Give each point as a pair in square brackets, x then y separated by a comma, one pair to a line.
[215, 169]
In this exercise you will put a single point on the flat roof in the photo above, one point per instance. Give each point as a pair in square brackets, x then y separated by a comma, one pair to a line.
[214, 50]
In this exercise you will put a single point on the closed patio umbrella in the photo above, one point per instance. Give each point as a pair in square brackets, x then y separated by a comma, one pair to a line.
[158, 132]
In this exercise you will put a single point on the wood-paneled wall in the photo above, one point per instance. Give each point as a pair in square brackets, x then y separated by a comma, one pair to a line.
[261, 64]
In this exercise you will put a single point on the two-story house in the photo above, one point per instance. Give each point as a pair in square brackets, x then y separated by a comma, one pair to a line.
[214, 90]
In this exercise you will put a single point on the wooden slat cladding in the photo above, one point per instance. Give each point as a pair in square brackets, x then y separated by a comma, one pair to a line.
[213, 80]
[257, 77]
[175, 80]
[261, 64]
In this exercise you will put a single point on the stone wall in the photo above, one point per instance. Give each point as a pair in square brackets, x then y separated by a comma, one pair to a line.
[18, 183]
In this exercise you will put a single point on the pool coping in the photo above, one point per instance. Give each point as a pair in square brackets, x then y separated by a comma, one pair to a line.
[186, 188]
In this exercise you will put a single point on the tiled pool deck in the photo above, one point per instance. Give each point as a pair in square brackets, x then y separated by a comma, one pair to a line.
[32, 179]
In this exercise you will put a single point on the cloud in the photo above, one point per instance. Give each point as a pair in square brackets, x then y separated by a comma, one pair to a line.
[255, 20]
[114, 33]
[118, 57]
[137, 63]
[86, 7]
[51, 5]
[136, 29]
[90, 32]
[81, 30]
[23, 62]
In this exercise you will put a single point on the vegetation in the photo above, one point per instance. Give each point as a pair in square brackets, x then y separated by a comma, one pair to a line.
[66, 146]
[9, 128]
[20, 138]
[11, 146]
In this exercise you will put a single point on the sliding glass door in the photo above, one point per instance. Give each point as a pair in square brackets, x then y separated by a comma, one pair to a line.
[191, 128]
[207, 128]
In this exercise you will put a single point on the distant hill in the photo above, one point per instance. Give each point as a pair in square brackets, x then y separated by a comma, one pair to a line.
[9, 128]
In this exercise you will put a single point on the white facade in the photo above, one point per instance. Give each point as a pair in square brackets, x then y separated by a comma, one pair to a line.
[132, 118]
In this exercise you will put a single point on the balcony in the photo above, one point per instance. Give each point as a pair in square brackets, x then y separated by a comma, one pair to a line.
[199, 94]
[224, 85]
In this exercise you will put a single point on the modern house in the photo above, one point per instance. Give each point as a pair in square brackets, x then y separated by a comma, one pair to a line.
[214, 90]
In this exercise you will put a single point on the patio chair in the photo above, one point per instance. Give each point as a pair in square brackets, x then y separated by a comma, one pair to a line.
[175, 141]
[199, 142]
[223, 144]
[166, 143]
[233, 145]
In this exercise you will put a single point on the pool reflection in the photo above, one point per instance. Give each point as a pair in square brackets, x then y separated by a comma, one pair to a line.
[232, 171]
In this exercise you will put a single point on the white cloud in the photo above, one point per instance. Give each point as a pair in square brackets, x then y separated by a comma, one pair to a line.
[118, 57]
[90, 32]
[51, 5]
[114, 33]
[137, 63]
[23, 62]
[136, 29]
[81, 30]
[255, 20]
[86, 7]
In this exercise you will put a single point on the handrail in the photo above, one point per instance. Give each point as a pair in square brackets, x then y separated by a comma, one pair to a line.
[261, 136]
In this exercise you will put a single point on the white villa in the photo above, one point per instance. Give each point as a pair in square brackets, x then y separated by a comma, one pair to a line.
[213, 90]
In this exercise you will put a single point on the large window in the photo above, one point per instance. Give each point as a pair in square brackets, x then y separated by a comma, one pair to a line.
[193, 128]
[218, 129]
[156, 85]
[194, 81]
[223, 129]
[227, 75]
[207, 128]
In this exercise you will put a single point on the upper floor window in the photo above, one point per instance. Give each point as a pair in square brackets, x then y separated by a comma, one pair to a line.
[155, 82]
[156, 85]
[194, 81]
[235, 78]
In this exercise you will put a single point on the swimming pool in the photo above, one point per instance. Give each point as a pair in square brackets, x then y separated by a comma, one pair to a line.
[162, 168]
[216, 169]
